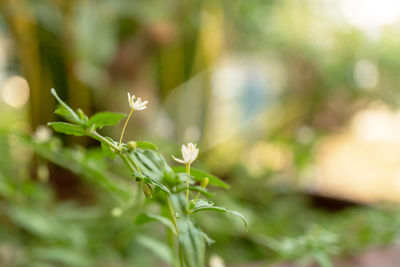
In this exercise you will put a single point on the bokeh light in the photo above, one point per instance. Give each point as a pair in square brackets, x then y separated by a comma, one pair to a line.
[15, 91]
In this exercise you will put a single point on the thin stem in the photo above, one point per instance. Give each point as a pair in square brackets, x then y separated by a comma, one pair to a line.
[187, 184]
[188, 168]
[197, 197]
[172, 213]
[127, 162]
[102, 139]
[137, 167]
[124, 158]
[123, 130]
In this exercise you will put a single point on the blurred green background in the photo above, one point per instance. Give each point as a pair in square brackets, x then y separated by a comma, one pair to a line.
[294, 103]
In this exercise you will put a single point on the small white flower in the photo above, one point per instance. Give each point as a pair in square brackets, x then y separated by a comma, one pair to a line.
[42, 134]
[136, 104]
[189, 154]
[216, 261]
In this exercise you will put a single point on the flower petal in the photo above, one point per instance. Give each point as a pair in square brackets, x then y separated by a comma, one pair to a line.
[178, 160]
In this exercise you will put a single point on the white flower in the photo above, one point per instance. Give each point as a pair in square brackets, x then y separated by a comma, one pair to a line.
[189, 154]
[136, 104]
[216, 261]
[42, 134]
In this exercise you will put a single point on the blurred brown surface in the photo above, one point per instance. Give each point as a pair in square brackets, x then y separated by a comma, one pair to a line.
[380, 257]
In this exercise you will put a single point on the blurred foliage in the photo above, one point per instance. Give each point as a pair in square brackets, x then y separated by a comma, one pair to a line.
[37, 229]
[94, 51]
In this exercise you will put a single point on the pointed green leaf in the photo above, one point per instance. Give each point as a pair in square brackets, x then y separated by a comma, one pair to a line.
[102, 119]
[64, 110]
[162, 251]
[202, 205]
[192, 242]
[199, 175]
[156, 184]
[208, 239]
[67, 128]
[146, 145]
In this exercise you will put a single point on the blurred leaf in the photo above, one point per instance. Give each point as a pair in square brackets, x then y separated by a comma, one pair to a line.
[64, 110]
[45, 225]
[61, 255]
[323, 259]
[199, 175]
[202, 205]
[156, 184]
[67, 128]
[208, 239]
[102, 119]
[146, 145]
[146, 217]
[82, 165]
[162, 251]
[192, 243]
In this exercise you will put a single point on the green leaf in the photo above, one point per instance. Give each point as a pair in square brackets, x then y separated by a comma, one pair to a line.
[146, 145]
[208, 239]
[64, 110]
[199, 175]
[323, 259]
[108, 151]
[86, 166]
[102, 119]
[192, 242]
[151, 164]
[146, 217]
[62, 256]
[162, 251]
[155, 183]
[67, 128]
[202, 205]
[191, 238]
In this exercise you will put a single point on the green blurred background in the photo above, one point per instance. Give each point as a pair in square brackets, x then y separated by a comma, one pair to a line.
[294, 103]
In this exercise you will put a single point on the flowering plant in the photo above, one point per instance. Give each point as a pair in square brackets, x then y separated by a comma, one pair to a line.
[172, 186]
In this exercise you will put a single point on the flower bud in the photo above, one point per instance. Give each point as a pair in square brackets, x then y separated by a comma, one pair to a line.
[131, 145]
[82, 115]
[204, 183]
[147, 190]
[192, 204]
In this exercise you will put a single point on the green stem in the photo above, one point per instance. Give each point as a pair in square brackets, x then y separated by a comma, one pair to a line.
[137, 167]
[187, 185]
[188, 168]
[102, 139]
[127, 162]
[123, 130]
[124, 158]
[197, 197]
